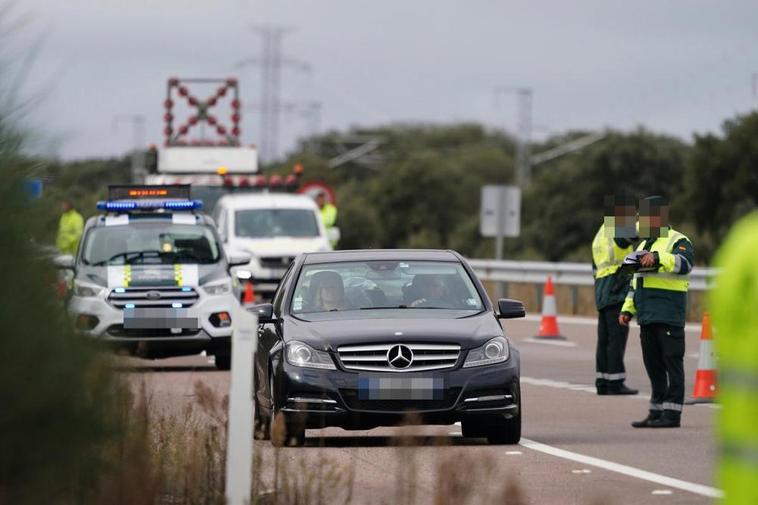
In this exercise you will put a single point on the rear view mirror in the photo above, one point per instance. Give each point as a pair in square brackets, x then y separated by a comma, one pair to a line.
[510, 309]
[239, 259]
[265, 312]
[64, 262]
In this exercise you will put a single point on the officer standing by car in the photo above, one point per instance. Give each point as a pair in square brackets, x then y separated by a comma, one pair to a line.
[613, 241]
[658, 298]
[70, 229]
[733, 300]
[328, 213]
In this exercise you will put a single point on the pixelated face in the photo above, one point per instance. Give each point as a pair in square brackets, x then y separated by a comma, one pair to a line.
[66, 206]
[654, 218]
[620, 217]
[320, 200]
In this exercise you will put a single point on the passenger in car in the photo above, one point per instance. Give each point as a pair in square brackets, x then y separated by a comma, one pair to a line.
[327, 292]
[428, 290]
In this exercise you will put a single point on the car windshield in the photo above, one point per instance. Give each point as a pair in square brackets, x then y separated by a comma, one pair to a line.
[150, 243]
[384, 285]
[268, 223]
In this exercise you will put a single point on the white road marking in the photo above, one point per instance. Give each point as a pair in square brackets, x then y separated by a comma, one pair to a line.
[545, 341]
[586, 388]
[513, 453]
[455, 433]
[592, 321]
[662, 491]
[629, 471]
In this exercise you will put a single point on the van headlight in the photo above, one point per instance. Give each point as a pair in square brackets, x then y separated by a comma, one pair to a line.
[494, 351]
[300, 354]
[87, 289]
[218, 288]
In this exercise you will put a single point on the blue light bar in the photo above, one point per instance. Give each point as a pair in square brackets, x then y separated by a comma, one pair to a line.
[126, 205]
[176, 305]
[129, 306]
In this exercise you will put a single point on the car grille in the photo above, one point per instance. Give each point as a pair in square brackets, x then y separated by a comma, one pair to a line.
[374, 357]
[152, 297]
[276, 261]
[350, 396]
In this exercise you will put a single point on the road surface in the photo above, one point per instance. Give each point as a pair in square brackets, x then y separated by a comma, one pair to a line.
[578, 448]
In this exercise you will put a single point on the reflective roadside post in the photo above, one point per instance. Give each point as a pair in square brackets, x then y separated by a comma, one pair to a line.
[239, 449]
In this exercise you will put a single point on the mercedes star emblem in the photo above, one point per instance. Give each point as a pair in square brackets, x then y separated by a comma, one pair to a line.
[400, 356]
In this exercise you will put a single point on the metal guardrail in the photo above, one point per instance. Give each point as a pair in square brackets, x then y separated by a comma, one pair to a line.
[572, 274]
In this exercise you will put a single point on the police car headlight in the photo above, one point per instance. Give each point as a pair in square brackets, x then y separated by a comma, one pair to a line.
[300, 354]
[218, 288]
[86, 289]
[494, 351]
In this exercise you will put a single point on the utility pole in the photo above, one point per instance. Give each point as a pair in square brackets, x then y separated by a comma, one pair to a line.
[524, 135]
[271, 62]
[138, 139]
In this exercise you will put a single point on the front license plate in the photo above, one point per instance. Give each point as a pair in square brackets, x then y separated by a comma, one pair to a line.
[401, 388]
[145, 319]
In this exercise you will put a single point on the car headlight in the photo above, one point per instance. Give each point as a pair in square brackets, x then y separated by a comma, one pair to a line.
[300, 354]
[494, 351]
[218, 288]
[86, 289]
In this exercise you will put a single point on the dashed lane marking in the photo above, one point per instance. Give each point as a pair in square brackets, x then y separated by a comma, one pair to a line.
[558, 343]
[662, 492]
[586, 388]
[629, 471]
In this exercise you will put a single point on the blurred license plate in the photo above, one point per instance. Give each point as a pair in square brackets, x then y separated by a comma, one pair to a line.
[152, 318]
[401, 388]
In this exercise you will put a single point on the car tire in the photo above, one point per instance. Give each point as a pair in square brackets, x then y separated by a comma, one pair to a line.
[261, 424]
[223, 361]
[282, 431]
[507, 431]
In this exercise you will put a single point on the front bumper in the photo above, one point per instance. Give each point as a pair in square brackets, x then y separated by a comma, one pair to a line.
[157, 342]
[320, 398]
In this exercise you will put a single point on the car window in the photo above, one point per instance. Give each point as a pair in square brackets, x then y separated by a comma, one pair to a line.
[150, 243]
[374, 285]
[269, 223]
[280, 289]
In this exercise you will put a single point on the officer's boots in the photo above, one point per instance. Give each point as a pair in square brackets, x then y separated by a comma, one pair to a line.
[658, 419]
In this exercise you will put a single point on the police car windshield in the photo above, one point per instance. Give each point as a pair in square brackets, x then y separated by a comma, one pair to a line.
[268, 223]
[385, 285]
[150, 243]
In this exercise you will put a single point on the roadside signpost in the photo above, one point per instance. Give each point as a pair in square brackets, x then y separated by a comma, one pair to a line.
[500, 216]
[239, 450]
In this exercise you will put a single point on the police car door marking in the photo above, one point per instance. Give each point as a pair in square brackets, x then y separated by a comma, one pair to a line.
[117, 220]
[183, 218]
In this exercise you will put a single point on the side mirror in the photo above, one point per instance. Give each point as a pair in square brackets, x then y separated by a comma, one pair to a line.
[265, 312]
[239, 259]
[64, 262]
[333, 234]
[510, 309]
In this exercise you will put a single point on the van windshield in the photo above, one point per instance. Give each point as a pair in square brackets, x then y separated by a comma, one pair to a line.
[150, 243]
[269, 223]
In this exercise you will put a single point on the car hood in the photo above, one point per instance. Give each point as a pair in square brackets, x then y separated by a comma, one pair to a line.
[468, 332]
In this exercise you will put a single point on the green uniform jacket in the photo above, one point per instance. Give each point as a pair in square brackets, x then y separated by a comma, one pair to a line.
[654, 305]
[612, 289]
[733, 302]
[69, 232]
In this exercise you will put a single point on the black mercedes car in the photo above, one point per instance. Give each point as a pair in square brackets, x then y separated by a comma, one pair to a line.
[360, 339]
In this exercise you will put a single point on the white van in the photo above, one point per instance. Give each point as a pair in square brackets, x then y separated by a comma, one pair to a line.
[273, 228]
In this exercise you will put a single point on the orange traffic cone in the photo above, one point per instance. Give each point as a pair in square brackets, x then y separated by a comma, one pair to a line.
[248, 297]
[705, 377]
[549, 323]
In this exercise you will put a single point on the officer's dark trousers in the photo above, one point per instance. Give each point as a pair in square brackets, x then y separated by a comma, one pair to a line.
[611, 345]
[663, 354]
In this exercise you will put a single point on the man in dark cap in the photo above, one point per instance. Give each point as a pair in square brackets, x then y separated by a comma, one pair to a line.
[658, 298]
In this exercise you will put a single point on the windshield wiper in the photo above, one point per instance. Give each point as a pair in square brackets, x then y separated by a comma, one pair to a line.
[388, 307]
[126, 255]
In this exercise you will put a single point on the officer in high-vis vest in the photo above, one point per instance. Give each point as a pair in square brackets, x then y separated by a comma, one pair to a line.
[658, 298]
[733, 303]
[613, 241]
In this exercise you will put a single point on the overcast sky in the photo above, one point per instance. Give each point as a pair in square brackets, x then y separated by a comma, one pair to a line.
[673, 66]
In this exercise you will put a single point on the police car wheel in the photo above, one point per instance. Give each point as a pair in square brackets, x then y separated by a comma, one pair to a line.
[223, 361]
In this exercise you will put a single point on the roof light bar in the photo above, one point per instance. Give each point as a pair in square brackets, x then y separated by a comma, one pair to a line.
[125, 205]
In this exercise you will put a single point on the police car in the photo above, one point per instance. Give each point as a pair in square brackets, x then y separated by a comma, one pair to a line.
[151, 277]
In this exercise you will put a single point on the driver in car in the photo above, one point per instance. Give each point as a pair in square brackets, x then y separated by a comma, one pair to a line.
[431, 292]
[328, 291]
